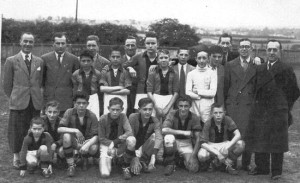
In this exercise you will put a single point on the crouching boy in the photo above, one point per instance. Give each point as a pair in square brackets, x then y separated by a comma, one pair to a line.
[79, 128]
[224, 144]
[116, 140]
[147, 131]
[181, 128]
[36, 149]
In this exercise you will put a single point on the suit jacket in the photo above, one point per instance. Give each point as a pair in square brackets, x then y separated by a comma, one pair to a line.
[231, 56]
[276, 91]
[125, 60]
[188, 69]
[57, 79]
[100, 62]
[239, 91]
[19, 86]
[219, 98]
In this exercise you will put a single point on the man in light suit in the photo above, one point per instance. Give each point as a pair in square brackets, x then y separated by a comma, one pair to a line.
[59, 66]
[183, 68]
[239, 88]
[22, 84]
[130, 51]
[100, 63]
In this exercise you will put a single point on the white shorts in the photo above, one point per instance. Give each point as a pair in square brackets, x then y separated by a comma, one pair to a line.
[107, 98]
[94, 105]
[184, 146]
[161, 101]
[31, 157]
[202, 108]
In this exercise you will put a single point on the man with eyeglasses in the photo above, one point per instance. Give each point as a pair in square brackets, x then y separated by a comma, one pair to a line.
[130, 51]
[22, 78]
[140, 64]
[239, 82]
[267, 132]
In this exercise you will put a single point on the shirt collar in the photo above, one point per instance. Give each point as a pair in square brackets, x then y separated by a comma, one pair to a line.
[120, 68]
[74, 112]
[272, 63]
[128, 57]
[61, 55]
[92, 71]
[248, 59]
[23, 55]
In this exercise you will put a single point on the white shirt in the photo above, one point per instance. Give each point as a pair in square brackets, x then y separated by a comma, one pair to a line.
[61, 56]
[23, 56]
[179, 68]
[248, 60]
[128, 57]
[272, 63]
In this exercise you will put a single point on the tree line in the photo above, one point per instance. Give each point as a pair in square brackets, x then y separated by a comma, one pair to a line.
[170, 32]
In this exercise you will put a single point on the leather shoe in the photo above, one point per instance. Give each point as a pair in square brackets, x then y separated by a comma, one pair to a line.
[16, 164]
[257, 172]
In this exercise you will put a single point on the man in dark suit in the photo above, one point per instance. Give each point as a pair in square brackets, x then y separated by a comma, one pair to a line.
[239, 85]
[22, 79]
[92, 44]
[267, 132]
[225, 41]
[59, 66]
[216, 57]
[183, 68]
[130, 51]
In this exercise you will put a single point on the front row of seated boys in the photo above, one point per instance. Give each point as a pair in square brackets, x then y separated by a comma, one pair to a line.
[132, 144]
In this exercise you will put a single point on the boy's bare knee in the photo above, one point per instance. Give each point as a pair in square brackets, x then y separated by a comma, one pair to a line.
[131, 141]
[169, 140]
[203, 155]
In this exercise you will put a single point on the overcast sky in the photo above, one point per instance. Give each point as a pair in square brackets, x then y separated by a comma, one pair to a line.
[202, 13]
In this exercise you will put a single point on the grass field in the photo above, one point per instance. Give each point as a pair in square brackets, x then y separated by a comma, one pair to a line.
[291, 168]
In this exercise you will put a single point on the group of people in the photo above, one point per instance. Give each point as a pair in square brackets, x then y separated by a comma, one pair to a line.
[139, 109]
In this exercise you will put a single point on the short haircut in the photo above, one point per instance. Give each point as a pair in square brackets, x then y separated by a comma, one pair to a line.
[93, 38]
[274, 40]
[59, 35]
[29, 33]
[145, 101]
[131, 37]
[81, 95]
[52, 103]
[225, 35]
[245, 39]
[184, 98]
[216, 105]
[38, 121]
[151, 34]
[86, 53]
[116, 101]
[117, 48]
[183, 48]
[215, 49]
[204, 49]
[163, 51]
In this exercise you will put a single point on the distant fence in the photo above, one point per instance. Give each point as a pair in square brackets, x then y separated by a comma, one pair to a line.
[291, 56]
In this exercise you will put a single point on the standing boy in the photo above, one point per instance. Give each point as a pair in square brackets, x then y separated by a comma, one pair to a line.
[87, 79]
[79, 128]
[162, 85]
[116, 81]
[36, 149]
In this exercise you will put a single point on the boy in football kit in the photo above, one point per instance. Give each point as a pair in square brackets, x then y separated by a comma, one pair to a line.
[116, 140]
[79, 128]
[181, 128]
[147, 132]
[36, 149]
[223, 141]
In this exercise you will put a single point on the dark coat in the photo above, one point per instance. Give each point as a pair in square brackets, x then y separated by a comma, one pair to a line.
[239, 92]
[230, 56]
[219, 98]
[276, 92]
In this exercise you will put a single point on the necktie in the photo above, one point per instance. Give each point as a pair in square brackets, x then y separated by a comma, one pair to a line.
[58, 59]
[27, 62]
[269, 66]
[245, 64]
[182, 82]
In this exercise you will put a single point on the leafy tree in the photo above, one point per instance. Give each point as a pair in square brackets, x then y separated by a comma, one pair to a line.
[171, 33]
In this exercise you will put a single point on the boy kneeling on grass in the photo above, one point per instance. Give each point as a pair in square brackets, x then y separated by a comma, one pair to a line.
[224, 144]
[116, 140]
[36, 149]
[79, 128]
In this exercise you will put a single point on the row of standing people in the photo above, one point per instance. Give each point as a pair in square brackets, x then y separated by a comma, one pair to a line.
[235, 85]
